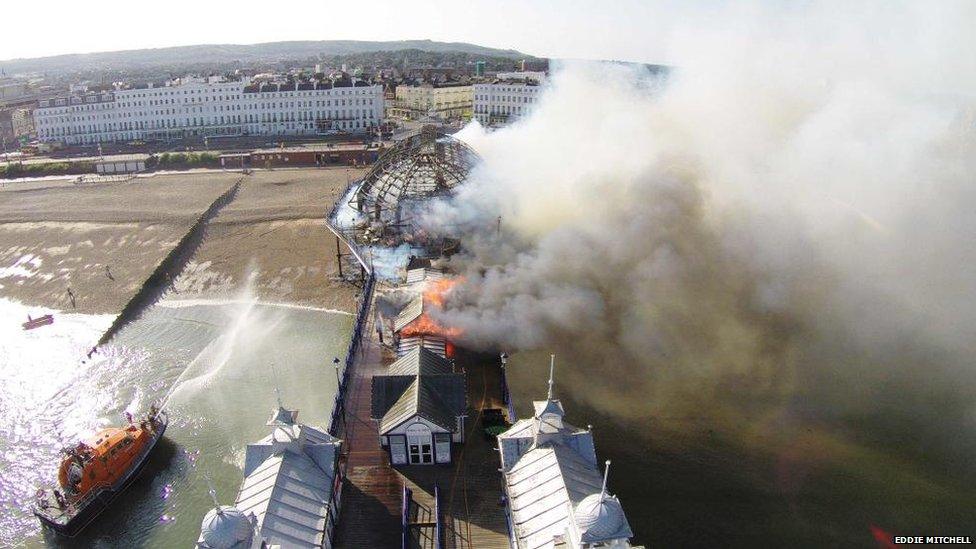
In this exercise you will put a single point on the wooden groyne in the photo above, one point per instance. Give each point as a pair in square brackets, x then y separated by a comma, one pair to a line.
[169, 267]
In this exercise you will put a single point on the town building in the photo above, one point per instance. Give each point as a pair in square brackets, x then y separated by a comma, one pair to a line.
[536, 76]
[211, 107]
[13, 90]
[16, 124]
[420, 405]
[448, 101]
[505, 100]
[289, 494]
[555, 495]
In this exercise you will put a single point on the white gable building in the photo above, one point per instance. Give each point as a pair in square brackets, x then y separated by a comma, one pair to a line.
[555, 494]
[287, 498]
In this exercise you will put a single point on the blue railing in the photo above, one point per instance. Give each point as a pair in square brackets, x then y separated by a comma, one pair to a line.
[362, 316]
[438, 528]
[405, 518]
[506, 396]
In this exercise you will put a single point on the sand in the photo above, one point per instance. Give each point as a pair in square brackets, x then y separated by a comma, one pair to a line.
[103, 240]
[276, 228]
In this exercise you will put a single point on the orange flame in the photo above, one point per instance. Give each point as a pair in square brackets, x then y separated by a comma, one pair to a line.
[435, 294]
[437, 290]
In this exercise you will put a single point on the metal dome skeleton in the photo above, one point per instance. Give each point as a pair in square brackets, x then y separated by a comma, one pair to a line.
[429, 163]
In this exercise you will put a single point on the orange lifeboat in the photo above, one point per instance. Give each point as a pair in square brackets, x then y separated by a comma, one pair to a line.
[96, 470]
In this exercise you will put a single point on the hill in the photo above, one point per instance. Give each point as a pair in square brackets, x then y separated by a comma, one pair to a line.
[222, 54]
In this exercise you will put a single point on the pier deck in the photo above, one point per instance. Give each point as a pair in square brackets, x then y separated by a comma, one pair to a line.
[470, 487]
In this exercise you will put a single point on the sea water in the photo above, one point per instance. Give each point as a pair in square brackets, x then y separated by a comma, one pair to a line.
[215, 364]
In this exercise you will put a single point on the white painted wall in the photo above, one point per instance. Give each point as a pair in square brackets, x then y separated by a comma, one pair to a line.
[197, 108]
[509, 100]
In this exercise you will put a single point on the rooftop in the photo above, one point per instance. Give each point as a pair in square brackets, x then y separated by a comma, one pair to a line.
[420, 383]
[288, 481]
[556, 494]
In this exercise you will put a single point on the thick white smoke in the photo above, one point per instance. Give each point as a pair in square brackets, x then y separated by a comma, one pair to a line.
[784, 223]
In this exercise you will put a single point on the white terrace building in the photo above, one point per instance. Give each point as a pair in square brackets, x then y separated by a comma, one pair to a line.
[502, 101]
[555, 494]
[209, 107]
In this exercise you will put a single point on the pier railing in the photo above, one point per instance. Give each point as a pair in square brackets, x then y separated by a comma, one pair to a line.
[506, 396]
[407, 497]
[355, 342]
[438, 524]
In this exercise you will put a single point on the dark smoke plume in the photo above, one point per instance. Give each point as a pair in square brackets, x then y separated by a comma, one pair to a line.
[780, 230]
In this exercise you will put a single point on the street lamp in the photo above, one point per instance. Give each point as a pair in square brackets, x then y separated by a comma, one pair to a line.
[341, 401]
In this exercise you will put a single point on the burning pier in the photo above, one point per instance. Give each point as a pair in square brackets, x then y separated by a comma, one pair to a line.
[378, 213]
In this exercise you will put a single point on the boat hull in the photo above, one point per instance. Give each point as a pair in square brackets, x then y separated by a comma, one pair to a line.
[104, 497]
[38, 322]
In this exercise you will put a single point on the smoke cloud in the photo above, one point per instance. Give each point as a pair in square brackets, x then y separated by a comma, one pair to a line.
[779, 228]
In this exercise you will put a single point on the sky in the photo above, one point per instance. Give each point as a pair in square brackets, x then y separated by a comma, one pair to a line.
[629, 30]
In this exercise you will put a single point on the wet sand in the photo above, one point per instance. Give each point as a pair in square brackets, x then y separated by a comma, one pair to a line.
[103, 240]
[275, 227]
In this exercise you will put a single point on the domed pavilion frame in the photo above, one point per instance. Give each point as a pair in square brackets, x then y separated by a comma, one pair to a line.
[426, 164]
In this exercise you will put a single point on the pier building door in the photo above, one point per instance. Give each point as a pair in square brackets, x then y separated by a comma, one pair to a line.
[420, 444]
[398, 449]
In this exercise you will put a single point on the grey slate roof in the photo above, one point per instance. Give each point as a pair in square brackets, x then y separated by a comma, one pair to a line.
[411, 312]
[421, 383]
[386, 391]
[421, 361]
[422, 398]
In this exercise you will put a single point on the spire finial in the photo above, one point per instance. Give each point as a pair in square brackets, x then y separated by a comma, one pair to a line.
[213, 495]
[606, 475]
[552, 367]
[274, 373]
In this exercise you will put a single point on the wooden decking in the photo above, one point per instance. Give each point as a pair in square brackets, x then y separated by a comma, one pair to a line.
[470, 487]
[371, 492]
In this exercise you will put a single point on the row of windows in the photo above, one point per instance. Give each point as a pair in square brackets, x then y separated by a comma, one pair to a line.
[506, 99]
[508, 89]
[247, 106]
[214, 95]
[337, 114]
[302, 115]
[256, 129]
[499, 109]
[221, 108]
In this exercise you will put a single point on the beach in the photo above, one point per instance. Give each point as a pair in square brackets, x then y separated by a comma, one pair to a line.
[88, 248]
[257, 305]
